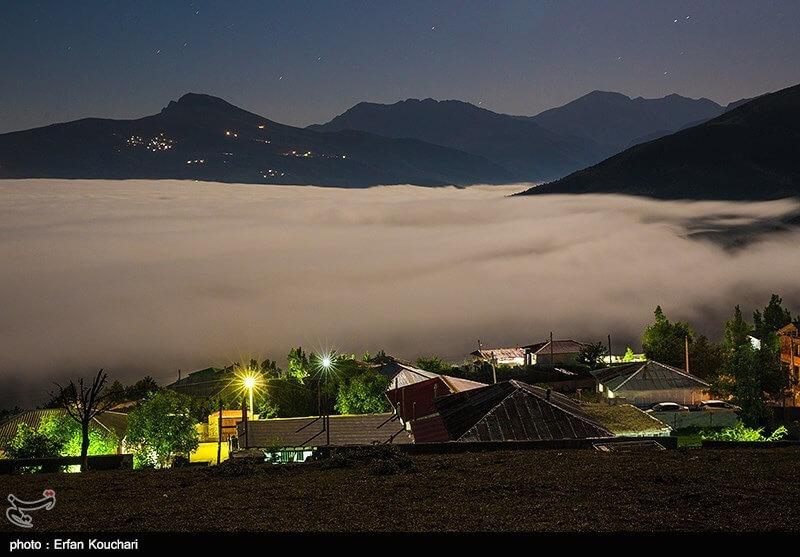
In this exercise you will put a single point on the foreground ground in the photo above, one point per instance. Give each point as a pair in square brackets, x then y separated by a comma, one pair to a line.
[690, 490]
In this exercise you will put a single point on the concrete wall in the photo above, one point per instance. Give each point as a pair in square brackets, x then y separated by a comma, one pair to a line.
[687, 397]
[681, 420]
[207, 452]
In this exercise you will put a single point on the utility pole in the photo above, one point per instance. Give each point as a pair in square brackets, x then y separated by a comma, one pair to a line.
[244, 419]
[609, 349]
[219, 434]
[686, 352]
[552, 358]
[327, 415]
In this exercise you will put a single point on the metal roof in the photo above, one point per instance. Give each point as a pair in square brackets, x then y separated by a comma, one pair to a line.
[647, 376]
[507, 411]
[356, 429]
[567, 346]
[505, 354]
[417, 400]
[204, 383]
[108, 421]
[400, 374]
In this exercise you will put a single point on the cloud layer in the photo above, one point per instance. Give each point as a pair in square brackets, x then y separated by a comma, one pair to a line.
[149, 277]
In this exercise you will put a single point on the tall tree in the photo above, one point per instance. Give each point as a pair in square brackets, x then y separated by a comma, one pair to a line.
[160, 428]
[736, 330]
[84, 402]
[299, 365]
[592, 355]
[664, 341]
[434, 364]
[774, 317]
[707, 359]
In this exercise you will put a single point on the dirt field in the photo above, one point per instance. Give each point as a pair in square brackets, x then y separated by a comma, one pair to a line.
[686, 490]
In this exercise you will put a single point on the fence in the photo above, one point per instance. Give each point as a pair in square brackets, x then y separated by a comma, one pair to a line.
[55, 464]
[681, 420]
[454, 447]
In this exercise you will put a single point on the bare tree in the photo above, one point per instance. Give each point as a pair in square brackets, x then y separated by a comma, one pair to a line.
[83, 403]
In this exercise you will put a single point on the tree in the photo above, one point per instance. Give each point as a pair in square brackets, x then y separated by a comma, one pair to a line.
[69, 435]
[160, 428]
[743, 383]
[736, 330]
[117, 392]
[706, 358]
[57, 435]
[5, 414]
[299, 366]
[82, 404]
[629, 355]
[664, 341]
[31, 443]
[141, 389]
[774, 317]
[434, 364]
[592, 355]
[363, 394]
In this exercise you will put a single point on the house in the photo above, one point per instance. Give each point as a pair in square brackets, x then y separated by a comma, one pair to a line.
[294, 439]
[645, 383]
[115, 422]
[507, 411]
[417, 400]
[211, 443]
[625, 420]
[400, 374]
[790, 357]
[204, 383]
[556, 352]
[500, 356]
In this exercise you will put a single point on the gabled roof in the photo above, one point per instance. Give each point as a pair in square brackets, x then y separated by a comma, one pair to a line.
[647, 376]
[417, 400]
[499, 353]
[625, 419]
[790, 327]
[511, 410]
[567, 346]
[204, 383]
[108, 421]
[399, 373]
[355, 429]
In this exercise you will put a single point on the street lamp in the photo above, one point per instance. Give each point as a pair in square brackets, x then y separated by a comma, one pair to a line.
[250, 385]
[325, 366]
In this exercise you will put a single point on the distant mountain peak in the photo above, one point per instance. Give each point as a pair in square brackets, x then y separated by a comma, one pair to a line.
[199, 101]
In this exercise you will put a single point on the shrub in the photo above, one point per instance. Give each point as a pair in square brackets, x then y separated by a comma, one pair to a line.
[381, 460]
[740, 432]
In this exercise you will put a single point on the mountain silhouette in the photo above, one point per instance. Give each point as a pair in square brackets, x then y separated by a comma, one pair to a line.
[617, 121]
[751, 152]
[202, 137]
[523, 147]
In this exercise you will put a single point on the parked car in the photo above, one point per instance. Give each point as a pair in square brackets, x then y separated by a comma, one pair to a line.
[667, 407]
[716, 405]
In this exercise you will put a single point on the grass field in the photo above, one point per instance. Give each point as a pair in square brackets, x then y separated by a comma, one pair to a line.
[684, 490]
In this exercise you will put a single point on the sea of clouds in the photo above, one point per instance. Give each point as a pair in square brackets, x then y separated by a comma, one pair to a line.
[148, 277]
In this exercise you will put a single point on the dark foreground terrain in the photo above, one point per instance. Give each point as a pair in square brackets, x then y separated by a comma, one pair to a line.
[694, 490]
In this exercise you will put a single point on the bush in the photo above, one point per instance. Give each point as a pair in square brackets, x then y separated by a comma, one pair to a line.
[381, 460]
[740, 432]
[238, 467]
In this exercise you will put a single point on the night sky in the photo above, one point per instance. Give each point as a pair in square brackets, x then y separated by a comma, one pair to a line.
[301, 62]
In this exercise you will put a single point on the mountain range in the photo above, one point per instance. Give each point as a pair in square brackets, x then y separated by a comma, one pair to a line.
[549, 145]
[670, 147]
[750, 152]
[201, 137]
